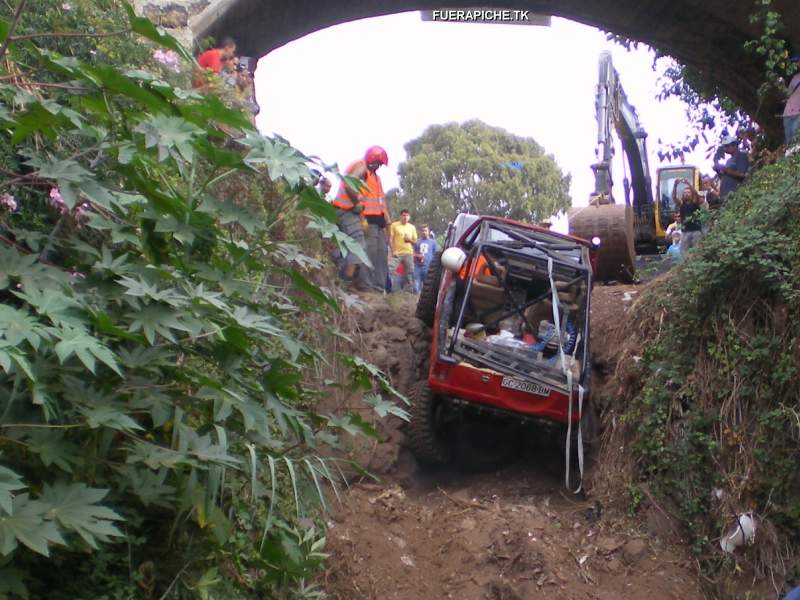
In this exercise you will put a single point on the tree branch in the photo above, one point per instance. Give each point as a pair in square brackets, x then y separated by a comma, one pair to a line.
[12, 27]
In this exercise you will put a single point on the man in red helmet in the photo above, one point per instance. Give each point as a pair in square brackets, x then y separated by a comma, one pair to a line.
[370, 202]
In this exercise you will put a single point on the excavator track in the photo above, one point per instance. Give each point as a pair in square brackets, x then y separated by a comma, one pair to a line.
[613, 224]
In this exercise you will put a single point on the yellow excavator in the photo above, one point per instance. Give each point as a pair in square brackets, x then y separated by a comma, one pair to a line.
[636, 226]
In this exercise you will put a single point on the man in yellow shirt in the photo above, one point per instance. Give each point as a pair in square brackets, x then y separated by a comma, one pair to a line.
[402, 236]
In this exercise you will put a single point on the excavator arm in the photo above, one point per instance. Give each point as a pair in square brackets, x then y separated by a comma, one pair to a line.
[623, 227]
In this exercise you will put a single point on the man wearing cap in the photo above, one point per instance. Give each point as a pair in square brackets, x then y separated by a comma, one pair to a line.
[791, 112]
[733, 172]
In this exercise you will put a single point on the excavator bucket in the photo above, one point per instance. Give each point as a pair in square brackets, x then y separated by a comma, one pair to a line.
[613, 224]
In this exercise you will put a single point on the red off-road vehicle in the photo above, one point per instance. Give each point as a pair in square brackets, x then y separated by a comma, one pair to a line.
[508, 304]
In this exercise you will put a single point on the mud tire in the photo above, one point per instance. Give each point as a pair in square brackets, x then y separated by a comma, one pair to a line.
[421, 348]
[425, 438]
[426, 305]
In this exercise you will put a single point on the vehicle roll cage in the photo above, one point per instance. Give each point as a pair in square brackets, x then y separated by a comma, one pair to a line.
[566, 270]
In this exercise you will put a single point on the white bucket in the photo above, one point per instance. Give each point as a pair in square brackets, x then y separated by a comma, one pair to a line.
[744, 532]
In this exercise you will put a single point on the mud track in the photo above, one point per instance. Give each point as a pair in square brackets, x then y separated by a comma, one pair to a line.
[512, 532]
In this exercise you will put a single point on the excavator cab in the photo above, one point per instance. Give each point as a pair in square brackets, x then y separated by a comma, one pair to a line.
[665, 209]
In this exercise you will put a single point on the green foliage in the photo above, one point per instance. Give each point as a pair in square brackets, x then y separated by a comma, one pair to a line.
[473, 167]
[154, 360]
[714, 425]
[710, 112]
[771, 47]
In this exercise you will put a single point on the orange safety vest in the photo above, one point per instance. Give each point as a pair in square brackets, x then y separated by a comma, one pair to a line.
[482, 268]
[373, 199]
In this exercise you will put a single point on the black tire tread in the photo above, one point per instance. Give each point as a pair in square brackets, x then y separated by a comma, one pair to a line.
[426, 304]
[423, 439]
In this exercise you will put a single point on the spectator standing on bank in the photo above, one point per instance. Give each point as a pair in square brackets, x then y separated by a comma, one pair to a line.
[733, 172]
[368, 201]
[402, 237]
[689, 204]
[791, 112]
[672, 228]
[709, 189]
[674, 250]
[424, 250]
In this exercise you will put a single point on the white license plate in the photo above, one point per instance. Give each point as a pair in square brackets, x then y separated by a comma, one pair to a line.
[525, 386]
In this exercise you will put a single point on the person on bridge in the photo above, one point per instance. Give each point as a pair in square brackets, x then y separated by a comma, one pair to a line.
[213, 61]
[370, 202]
[733, 172]
[213, 58]
[791, 112]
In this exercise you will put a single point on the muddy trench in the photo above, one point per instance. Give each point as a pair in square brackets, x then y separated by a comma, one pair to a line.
[507, 530]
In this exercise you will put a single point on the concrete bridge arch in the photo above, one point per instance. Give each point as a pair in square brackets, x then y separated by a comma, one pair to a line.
[705, 34]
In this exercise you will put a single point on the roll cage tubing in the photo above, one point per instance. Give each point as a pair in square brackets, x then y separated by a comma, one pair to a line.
[478, 250]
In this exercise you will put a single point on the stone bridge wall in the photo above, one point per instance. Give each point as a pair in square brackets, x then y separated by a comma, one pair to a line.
[705, 34]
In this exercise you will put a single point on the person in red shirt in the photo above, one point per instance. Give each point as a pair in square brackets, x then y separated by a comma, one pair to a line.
[213, 60]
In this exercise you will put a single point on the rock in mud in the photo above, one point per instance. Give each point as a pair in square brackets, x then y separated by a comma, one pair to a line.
[634, 550]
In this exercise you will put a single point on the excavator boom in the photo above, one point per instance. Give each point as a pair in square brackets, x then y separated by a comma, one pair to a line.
[628, 227]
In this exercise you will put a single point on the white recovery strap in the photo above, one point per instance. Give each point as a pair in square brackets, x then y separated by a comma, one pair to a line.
[568, 374]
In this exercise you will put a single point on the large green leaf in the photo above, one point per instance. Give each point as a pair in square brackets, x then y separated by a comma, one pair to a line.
[161, 320]
[143, 289]
[149, 485]
[74, 507]
[28, 525]
[60, 308]
[54, 449]
[67, 170]
[17, 325]
[172, 136]
[304, 285]
[354, 425]
[281, 160]
[9, 482]
[32, 275]
[346, 244]
[311, 200]
[86, 348]
[110, 416]
[383, 407]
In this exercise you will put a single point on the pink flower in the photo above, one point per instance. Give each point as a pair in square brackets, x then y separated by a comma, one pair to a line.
[8, 201]
[56, 201]
[167, 58]
[66, 6]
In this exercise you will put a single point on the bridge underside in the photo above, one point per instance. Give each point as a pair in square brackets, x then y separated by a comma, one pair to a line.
[707, 35]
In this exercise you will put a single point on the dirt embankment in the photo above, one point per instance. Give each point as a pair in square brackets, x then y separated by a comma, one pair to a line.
[512, 533]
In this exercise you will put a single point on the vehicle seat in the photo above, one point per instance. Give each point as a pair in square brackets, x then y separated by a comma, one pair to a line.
[487, 297]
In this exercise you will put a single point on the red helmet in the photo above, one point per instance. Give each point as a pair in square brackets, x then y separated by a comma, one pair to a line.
[376, 154]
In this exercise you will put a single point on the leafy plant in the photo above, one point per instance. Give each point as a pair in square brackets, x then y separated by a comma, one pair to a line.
[153, 355]
[713, 422]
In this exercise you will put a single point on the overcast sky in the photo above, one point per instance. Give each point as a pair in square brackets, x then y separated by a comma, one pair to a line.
[384, 80]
